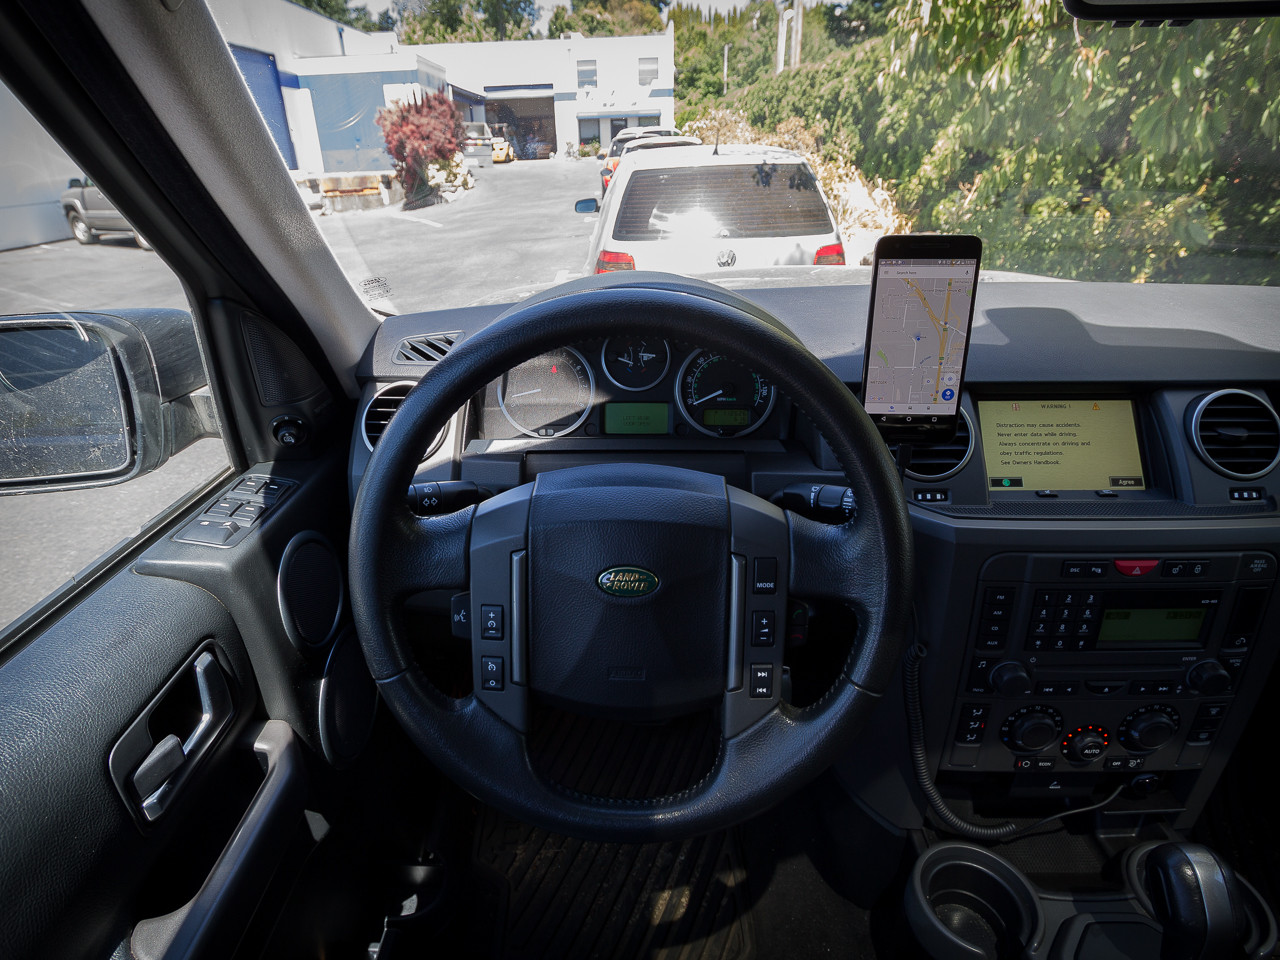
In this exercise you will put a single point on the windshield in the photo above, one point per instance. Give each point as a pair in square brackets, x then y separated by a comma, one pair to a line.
[1074, 150]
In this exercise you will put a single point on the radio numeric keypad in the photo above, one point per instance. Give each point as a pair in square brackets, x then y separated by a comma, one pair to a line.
[1064, 620]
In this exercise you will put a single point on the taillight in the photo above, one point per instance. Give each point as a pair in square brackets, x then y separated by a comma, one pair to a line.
[608, 261]
[831, 254]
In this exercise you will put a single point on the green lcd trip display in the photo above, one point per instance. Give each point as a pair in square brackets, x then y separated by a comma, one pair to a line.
[636, 418]
[726, 417]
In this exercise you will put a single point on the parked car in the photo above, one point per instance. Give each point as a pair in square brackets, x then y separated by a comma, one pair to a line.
[89, 213]
[699, 208]
[626, 135]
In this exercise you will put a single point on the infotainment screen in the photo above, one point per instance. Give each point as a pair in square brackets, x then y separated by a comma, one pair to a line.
[1060, 445]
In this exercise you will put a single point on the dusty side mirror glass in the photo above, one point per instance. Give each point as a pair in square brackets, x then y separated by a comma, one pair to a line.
[96, 399]
[75, 183]
[590, 205]
[63, 408]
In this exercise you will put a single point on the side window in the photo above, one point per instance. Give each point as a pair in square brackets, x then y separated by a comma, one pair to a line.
[105, 417]
[586, 74]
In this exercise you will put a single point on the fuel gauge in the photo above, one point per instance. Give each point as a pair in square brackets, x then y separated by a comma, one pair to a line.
[635, 363]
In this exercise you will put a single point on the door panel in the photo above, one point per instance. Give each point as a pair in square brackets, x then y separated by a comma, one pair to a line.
[77, 869]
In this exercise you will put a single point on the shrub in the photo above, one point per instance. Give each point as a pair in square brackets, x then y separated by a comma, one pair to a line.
[420, 133]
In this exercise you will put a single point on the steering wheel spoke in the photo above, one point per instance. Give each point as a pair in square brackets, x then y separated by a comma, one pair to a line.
[426, 553]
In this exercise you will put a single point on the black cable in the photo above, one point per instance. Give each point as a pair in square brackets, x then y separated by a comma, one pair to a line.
[920, 763]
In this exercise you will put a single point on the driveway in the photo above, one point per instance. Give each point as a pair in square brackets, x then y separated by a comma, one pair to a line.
[516, 228]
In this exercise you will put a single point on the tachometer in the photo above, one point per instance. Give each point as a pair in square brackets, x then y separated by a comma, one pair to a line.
[635, 363]
[549, 395]
[721, 397]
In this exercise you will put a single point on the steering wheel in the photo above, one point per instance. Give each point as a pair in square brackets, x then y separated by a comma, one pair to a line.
[631, 591]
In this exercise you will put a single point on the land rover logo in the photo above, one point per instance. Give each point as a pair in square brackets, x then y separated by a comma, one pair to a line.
[627, 581]
[726, 258]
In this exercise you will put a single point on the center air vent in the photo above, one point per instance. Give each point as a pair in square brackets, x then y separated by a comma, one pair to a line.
[383, 407]
[939, 461]
[1236, 433]
[428, 348]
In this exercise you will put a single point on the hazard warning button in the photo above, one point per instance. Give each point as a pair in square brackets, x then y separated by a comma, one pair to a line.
[1136, 568]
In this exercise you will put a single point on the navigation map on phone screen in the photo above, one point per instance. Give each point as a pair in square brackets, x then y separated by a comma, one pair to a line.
[919, 329]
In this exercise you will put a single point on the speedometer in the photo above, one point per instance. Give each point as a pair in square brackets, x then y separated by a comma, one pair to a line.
[721, 397]
[549, 395]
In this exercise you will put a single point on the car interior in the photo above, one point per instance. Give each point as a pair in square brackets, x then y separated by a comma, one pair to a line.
[490, 643]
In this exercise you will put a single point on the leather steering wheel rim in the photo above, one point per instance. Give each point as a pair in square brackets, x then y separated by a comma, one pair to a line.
[866, 563]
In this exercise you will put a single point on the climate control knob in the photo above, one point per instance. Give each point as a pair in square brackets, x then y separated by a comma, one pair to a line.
[1011, 679]
[1085, 744]
[1149, 728]
[1209, 677]
[1031, 728]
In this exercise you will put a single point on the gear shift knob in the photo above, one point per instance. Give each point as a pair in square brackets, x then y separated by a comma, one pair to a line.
[1198, 901]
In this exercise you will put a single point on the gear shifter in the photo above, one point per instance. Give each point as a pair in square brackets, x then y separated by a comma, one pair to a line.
[1198, 901]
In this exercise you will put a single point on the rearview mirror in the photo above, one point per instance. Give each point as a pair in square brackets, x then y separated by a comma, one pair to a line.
[590, 205]
[1175, 11]
[91, 399]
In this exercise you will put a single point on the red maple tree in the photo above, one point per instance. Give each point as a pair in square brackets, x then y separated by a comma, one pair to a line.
[419, 132]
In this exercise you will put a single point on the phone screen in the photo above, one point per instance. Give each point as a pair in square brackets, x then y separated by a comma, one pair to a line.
[921, 312]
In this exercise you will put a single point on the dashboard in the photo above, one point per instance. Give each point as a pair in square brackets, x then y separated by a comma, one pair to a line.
[1096, 549]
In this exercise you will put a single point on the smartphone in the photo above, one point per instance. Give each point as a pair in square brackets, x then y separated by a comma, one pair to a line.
[917, 339]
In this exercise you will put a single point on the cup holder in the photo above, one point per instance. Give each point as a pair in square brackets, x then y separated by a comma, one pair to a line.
[966, 903]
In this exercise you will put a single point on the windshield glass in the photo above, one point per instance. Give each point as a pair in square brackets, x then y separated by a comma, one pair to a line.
[1075, 151]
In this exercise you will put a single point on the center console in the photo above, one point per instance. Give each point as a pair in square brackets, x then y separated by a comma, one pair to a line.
[1088, 663]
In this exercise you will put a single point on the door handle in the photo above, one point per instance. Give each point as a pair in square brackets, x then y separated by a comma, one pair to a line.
[215, 702]
[148, 772]
[169, 755]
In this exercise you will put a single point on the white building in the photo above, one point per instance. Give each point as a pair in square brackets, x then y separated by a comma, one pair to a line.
[567, 91]
[319, 85]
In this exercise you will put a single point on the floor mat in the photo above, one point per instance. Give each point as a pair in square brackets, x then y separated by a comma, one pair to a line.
[567, 898]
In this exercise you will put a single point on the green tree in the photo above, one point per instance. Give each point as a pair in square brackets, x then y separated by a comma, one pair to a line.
[1076, 150]
[358, 17]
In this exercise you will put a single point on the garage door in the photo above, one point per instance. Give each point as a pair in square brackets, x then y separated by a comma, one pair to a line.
[531, 124]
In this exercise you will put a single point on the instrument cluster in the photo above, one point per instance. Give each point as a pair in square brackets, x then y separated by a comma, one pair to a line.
[634, 386]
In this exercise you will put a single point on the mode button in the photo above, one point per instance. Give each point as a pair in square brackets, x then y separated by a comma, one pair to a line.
[766, 575]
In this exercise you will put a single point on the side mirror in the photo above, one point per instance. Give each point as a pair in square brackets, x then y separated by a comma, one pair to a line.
[75, 183]
[590, 205]
[84, 404]
[600, 155]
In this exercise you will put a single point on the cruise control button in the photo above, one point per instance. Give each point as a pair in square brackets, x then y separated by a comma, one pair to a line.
[491, 621]
[491, 677]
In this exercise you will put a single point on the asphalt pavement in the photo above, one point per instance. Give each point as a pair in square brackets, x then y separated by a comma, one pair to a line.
[514, 230]
[517, 227]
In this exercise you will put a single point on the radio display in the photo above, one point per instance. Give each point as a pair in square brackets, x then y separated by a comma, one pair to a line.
[1135, 628]
[1061, 445]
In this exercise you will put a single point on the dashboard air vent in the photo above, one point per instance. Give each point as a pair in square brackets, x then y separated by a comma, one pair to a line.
[1236, 433]
[383, 407]
[428, 348]
[940, 461]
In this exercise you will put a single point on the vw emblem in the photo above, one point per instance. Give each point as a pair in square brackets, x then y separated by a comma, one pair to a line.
[726, 258]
